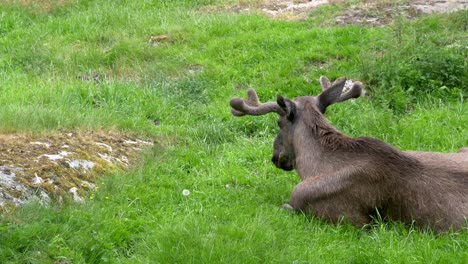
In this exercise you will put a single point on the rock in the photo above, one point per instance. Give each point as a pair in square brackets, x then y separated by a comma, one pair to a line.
[76, 197]
[81, 164]
[58, 156]
[36, 180]
[12, 191]
[439, 6]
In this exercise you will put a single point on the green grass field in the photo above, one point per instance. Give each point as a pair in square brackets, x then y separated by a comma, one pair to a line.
[415, 72]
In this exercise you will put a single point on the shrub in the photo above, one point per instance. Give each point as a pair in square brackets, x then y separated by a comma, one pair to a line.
[414, 62]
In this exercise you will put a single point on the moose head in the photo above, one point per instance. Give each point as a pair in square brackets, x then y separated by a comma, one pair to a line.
[290, 111]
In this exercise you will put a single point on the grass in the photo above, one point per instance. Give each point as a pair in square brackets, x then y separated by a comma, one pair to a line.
[232, 214]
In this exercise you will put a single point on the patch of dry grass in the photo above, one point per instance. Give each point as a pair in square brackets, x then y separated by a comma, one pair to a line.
[54, 164]
[42, 6]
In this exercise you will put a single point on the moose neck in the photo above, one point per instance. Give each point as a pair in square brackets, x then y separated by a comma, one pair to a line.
[317, 144]
[320, 149]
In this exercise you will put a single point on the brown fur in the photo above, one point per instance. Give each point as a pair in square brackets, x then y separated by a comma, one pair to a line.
[352, 177]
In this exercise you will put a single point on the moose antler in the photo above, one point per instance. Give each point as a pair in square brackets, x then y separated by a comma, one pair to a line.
[252, 106]
[351, 89]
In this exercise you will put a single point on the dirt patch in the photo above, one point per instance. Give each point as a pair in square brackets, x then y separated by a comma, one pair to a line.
[289, 10]
[276, 9]
[376, 13]
[366, 12]
[439, 6]
[64, 164]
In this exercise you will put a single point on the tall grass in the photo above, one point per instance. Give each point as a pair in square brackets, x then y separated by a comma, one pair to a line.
[420, 58]
[233, 213]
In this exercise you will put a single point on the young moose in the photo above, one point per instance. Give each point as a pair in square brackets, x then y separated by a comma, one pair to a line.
[351, 178]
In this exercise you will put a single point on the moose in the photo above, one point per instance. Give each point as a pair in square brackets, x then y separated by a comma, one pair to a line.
[357, 179]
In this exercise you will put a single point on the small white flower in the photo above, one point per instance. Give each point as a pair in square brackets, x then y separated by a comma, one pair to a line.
[185, 192]
[227, 186]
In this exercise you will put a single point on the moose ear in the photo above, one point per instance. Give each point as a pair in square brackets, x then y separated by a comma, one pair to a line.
[324, 82]
[331, 95]
[288, 107]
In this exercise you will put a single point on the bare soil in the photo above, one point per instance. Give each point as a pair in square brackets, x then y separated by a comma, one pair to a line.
[366, 12]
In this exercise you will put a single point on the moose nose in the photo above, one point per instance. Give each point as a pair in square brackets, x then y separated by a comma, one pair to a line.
[275, 159]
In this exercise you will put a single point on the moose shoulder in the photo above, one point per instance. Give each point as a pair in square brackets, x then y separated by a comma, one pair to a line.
[353, 177]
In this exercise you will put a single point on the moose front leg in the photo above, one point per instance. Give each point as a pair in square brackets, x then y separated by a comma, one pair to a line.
[330, 198]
